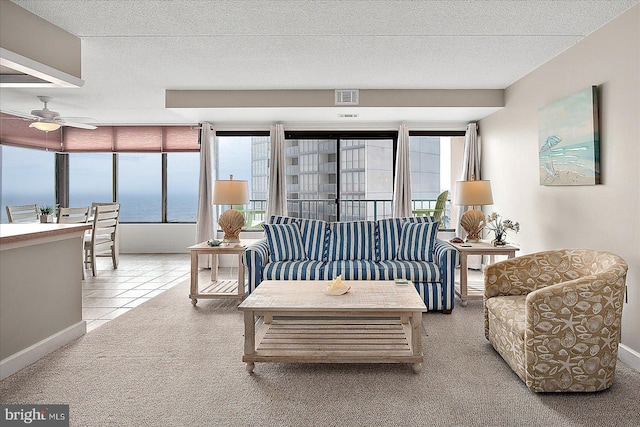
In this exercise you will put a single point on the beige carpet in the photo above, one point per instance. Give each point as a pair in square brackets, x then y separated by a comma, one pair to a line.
[166, 363]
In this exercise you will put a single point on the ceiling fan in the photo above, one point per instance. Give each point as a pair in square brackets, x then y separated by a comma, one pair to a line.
[47, 120]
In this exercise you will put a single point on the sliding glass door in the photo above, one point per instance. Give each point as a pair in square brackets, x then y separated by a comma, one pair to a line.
[339, 177]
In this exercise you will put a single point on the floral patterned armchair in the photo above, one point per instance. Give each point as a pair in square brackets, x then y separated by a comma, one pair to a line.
[555, 317]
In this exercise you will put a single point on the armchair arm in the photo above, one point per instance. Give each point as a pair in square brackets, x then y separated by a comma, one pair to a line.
[447, 258]
[572, 332]
[255, 257]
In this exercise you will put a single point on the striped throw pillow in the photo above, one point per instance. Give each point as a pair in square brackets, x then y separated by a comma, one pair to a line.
[314, 237]
[388, 235]
[351, 241]
[279, 219]
[417, 241]
[285, 242]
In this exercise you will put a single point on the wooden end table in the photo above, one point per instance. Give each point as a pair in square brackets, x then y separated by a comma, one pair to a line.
[480, 248]
[222, 289]
[374, 322]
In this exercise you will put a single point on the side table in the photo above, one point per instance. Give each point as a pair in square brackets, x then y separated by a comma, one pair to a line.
[227, 288]
[480, 248]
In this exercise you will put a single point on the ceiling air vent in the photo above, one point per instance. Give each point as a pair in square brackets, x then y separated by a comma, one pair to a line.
[347, 97]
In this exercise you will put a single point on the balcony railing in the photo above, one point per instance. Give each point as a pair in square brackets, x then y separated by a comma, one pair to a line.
[292, 169]
[326, 209]
[327, 167]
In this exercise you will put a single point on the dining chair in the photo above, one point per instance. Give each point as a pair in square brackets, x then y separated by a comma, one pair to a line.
[102, 241]
[23, 213]
[73, 215]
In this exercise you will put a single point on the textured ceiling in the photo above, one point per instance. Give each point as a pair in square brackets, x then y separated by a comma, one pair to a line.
[133, 50]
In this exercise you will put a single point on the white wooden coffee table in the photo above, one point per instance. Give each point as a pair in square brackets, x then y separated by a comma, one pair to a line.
[375, 322]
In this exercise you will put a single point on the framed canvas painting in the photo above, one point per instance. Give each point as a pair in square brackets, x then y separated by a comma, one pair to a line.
[568, 140]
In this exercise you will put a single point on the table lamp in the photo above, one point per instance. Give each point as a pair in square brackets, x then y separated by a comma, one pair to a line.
[473, 193]
[230, 192]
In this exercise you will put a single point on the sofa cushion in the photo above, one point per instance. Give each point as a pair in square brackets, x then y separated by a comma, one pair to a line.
[416, 241]
[285, 242]
[416, 271]
[353, 240]
[388, 235]
[294, 270]
[314, 237]
[352, 270]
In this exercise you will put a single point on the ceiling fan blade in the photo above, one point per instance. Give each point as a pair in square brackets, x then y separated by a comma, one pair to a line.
[77, 125]
[19, 114]
[78, 119]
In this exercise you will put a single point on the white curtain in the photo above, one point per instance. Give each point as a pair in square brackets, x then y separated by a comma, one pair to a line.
[470, 168]
[206, 224]
[402, 181]
[277, 196]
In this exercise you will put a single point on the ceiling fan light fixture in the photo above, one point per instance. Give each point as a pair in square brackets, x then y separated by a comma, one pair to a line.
[45, 126]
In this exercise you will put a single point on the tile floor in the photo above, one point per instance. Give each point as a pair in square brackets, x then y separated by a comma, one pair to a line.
[140, 277]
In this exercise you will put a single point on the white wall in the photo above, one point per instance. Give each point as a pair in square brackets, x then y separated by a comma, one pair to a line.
[605, 216]
[156, 238]
[169, 239]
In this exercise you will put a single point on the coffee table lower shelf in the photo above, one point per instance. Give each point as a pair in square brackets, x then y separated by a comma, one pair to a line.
[334, 340]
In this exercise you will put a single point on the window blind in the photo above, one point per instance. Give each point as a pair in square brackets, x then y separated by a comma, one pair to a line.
[15, 130]
[131, 139]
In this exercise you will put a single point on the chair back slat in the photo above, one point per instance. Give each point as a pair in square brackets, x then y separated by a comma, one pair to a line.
[23, 213]
[103, 239]
[105, 220]
[73, 215]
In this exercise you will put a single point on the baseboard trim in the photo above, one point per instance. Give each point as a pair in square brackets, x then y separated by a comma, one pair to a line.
[629, 356]
[26, 357]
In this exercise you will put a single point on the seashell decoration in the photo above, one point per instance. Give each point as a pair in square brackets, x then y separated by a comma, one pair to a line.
[473, 222]
[337, 287]
[231, 222]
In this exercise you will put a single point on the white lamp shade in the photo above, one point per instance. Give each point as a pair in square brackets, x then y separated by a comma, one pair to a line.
[230, 192]
[473, 193]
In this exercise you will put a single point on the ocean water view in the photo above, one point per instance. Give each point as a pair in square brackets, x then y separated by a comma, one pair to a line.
[134, 208]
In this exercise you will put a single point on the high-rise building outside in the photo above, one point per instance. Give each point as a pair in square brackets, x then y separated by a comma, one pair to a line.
[362, 182]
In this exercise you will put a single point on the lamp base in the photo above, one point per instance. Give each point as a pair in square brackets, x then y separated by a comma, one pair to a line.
[231, 222]
[473, 222]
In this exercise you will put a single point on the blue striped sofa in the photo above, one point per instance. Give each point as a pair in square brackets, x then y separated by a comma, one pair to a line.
[308, 249]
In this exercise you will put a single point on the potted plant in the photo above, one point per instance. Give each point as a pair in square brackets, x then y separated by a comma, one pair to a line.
[500, 228]
[45, 214]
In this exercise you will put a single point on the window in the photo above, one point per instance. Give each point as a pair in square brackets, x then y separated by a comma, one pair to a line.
[90, 178]
[183, 174]
[346, 177]
[366, 177]
[246, 157]
[140, 187]
[426, 166]
[260, 150]
[28, 177]
[87, 161]
[431, 163]
[311, 178]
